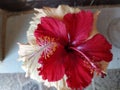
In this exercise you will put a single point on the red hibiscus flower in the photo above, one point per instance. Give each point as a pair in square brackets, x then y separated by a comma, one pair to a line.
[70, 50]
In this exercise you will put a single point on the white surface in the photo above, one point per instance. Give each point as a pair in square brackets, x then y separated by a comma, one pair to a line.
[16, 32]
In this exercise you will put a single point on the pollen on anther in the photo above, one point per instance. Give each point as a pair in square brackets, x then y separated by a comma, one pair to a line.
[49, 46]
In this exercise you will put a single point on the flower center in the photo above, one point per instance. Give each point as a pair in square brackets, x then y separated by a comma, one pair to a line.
[68, 49]
[49, 46]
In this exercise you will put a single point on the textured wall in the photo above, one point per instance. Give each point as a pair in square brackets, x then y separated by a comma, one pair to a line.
[17, 81]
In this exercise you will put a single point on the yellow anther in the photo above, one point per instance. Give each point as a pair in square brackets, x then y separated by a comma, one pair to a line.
[49, 44]
[48, 55]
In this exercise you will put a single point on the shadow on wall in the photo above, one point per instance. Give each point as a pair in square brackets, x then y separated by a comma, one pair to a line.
[16, 31]
[105, 17]
[0, 37]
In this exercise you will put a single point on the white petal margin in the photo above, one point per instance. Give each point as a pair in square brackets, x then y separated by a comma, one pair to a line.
[29, 55]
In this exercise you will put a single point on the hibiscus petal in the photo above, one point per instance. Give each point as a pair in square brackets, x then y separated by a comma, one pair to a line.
[97, 48]
[78, 73]
[53, 28]
[79, 26]
[53, 67]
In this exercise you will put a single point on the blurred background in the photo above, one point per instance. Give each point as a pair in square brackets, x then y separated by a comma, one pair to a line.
[15, 16]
